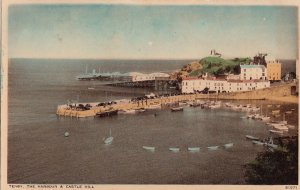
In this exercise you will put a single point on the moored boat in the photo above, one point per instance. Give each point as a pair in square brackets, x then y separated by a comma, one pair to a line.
[212, 147]
[228, 145]
[149, 148]
[276, 132]
[109, 139]
[174, 149]
[257, 142]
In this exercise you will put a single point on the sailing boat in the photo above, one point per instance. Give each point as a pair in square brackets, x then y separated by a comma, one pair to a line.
[283, 121]
[265, 118]
[92, 87]
[258, 116]
[109, 139]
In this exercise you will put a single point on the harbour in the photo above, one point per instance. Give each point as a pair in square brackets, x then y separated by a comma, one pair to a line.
[104, 94]
[191, 130]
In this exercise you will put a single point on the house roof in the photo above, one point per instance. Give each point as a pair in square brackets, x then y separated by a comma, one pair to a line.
[252, 66]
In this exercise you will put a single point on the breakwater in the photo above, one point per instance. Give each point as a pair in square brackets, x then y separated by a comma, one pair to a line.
[149, 103]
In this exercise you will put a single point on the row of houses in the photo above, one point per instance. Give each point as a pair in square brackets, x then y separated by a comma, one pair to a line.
[191, 85]
[251, 77]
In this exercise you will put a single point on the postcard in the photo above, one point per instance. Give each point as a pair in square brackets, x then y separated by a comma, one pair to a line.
[149, 94]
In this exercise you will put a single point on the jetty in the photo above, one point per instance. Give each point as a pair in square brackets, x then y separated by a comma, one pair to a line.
[81, 110]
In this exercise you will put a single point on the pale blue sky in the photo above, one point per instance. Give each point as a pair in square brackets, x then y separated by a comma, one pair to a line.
[151, 32]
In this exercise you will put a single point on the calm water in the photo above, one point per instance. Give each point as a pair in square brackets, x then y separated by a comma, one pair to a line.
[38, 152]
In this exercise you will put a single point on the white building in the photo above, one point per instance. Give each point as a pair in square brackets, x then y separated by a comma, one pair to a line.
[191, 85]
[253, 72]
[146, 77]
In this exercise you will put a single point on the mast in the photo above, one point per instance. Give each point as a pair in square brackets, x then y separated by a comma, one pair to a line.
[110, 132]
[86, 69]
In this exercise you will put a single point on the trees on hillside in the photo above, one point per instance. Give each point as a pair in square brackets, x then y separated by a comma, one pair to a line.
[275, 167]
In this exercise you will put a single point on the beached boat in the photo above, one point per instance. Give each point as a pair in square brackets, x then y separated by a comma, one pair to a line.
[290, 126]
[177, 109]
[107, 113]
[109, 139]
[269, 106]
[149, 148]
[281, 127]
[257, 116]
[212, 147]
[274, 112]
[228, 145]
[265, 118]
[194, 149]
[214, 106]
[255, 109]
[289, 112]
[229, 105]
[250, 116]
[251, 137]
[283, 120]
[174, 149]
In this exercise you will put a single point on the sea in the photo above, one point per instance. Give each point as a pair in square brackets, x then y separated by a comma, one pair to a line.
[39, 153]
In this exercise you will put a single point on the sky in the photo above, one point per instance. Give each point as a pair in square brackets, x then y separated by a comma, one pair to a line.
[103, 31]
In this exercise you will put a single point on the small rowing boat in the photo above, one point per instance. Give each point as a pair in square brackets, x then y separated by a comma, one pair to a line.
[213, 147]
[174, 149]
[228, 145]
[149, 148]
[194, 149]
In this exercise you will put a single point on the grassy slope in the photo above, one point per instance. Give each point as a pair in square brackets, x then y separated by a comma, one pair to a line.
[217, 65]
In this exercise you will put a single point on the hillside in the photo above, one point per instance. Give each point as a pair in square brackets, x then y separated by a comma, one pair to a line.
[217, 66]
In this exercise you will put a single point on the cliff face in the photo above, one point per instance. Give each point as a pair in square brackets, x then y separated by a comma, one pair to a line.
[186, 70]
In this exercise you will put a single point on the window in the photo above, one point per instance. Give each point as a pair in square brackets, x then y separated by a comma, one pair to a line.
[244, 70]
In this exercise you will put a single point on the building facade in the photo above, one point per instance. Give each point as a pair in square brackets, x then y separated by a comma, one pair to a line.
[191, 85]
[146, 77]
[253, 72]
[274, 70]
